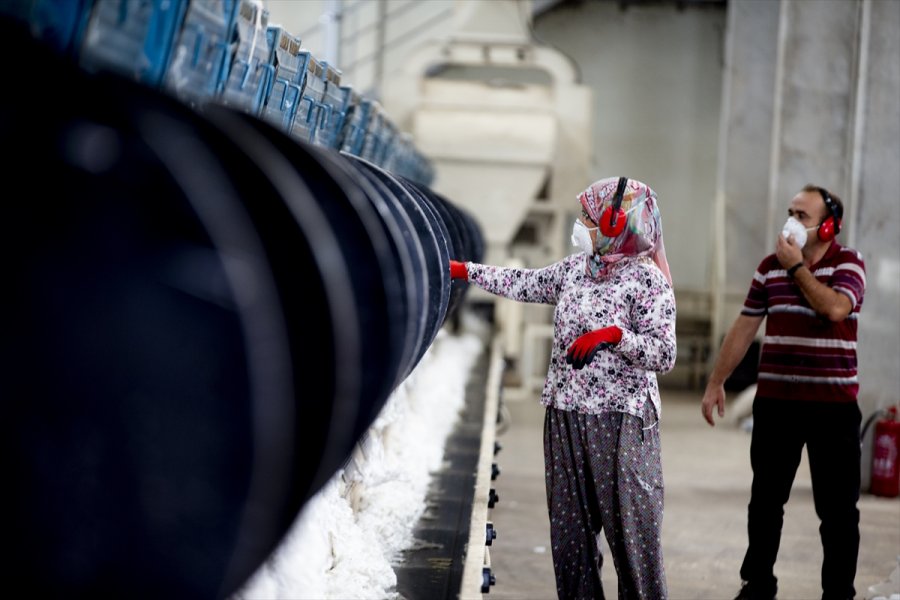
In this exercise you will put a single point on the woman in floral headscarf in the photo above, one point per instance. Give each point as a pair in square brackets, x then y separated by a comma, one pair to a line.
[614, 329]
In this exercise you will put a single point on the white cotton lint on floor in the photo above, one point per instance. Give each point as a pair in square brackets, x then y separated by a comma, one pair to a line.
[347, 536]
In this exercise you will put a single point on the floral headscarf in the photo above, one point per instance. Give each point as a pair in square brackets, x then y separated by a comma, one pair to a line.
[642, 235]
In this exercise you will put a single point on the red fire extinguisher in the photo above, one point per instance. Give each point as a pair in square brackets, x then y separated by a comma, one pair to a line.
[885, 450]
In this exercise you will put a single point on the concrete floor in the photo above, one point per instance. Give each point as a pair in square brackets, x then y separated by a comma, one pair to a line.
[707, 477]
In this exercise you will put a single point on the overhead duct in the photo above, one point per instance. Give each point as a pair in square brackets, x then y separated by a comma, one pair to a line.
[507, 125]
[503, 119]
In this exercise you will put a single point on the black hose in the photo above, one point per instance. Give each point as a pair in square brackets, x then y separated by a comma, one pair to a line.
[878, 413]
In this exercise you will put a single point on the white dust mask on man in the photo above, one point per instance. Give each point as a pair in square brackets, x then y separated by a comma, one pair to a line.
[793, 227]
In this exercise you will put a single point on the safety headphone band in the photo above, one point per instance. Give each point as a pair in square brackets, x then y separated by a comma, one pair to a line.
[617, 201]
[832, 210]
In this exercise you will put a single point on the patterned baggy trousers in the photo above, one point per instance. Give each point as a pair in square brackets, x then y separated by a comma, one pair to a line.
[603, 472]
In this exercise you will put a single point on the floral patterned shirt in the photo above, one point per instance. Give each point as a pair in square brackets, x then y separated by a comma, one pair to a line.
[632, 294]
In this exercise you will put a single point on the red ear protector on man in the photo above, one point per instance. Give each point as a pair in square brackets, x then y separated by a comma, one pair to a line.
[613, 218]
[831, 226]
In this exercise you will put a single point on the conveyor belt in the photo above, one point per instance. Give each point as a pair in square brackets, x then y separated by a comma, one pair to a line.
[435, 570]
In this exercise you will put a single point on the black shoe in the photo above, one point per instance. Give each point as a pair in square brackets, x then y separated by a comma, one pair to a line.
[748, 592]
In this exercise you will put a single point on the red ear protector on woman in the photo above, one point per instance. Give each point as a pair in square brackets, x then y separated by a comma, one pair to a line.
[831, 226]
[613, 218]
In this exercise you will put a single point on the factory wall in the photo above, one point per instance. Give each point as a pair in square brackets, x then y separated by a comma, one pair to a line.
[875, 228]
[656, 74]
[812, 95]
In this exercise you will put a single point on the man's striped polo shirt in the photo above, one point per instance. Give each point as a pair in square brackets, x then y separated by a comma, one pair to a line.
[804, 355]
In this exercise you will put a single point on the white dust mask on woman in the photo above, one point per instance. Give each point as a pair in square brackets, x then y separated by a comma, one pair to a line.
[581, 237]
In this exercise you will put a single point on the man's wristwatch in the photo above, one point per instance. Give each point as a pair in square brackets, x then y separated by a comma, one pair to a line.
[793, 269]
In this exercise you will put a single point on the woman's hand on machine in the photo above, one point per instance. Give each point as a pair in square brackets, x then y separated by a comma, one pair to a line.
[458, 270]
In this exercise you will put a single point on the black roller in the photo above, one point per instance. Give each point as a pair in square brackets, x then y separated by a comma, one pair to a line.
[367, 251]
[477, 236]
[456, 247]
[434, 264]
[328, 307]
[473, 242]
[409, 259]
[371, 216]
[471, 247]
[445, 247]
[417, 285]
[143, 356]
[202, 317]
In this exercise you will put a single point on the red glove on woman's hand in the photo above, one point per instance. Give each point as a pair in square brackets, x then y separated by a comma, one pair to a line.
[458, 270]
[582, 350]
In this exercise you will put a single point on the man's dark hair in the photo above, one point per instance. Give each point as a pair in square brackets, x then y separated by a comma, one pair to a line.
[838, 205]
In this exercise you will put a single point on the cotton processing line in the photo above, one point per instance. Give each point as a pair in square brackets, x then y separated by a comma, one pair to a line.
[224, 263]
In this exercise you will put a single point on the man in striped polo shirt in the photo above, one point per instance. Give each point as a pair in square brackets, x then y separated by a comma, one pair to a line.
[810, 292]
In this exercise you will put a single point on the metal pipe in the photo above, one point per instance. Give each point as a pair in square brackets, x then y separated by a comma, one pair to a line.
[331, 20]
